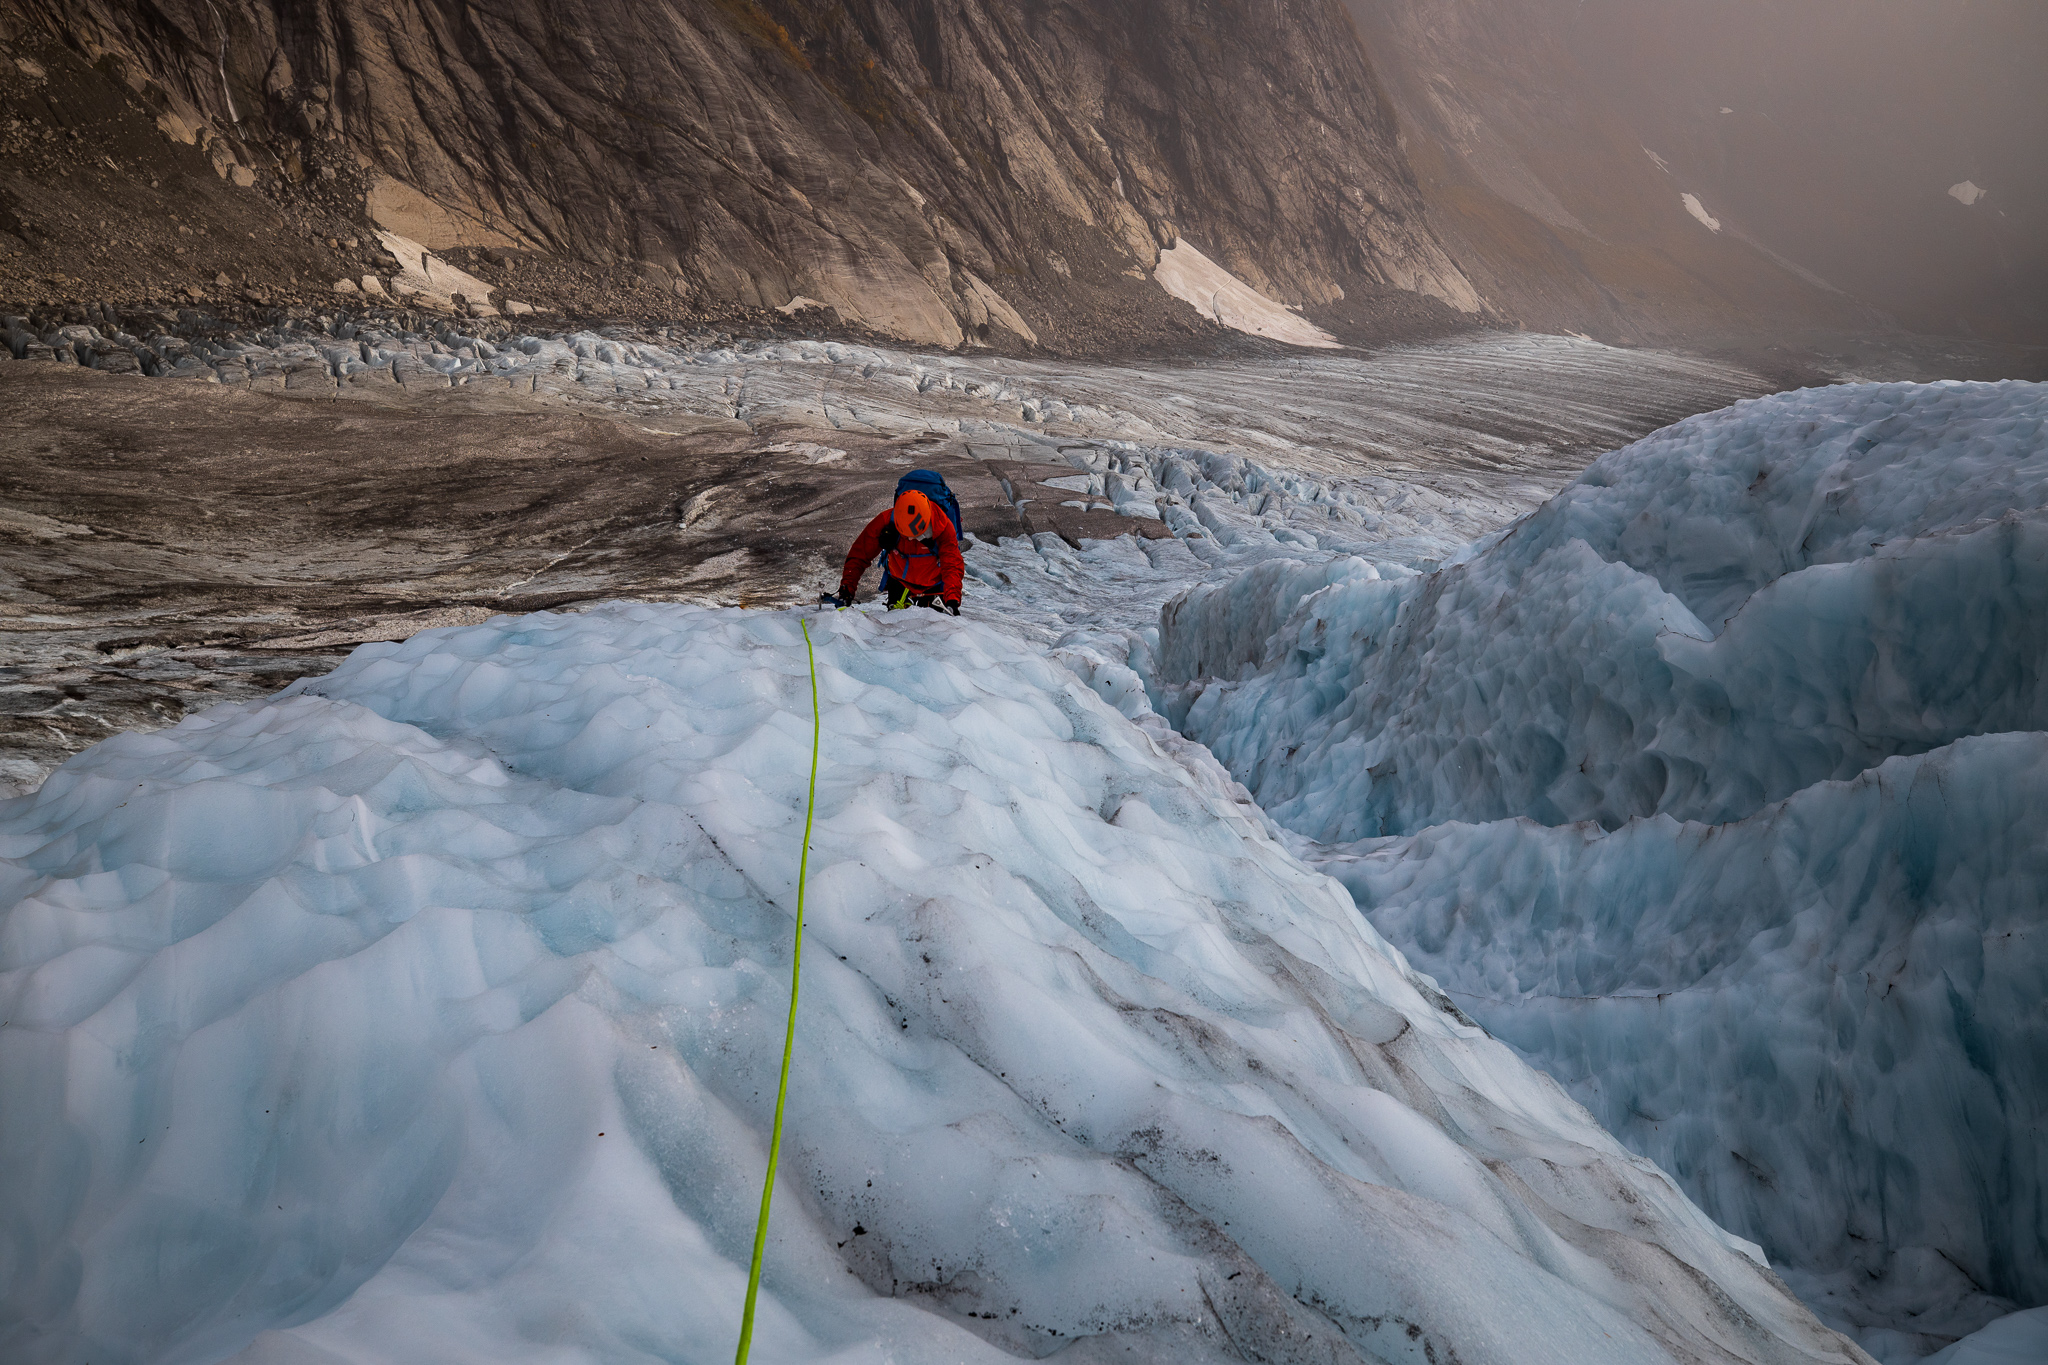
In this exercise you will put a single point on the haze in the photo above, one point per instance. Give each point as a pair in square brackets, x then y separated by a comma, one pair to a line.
[1828, 133]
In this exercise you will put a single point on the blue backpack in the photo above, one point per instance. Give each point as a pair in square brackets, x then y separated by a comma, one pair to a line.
[932, 485]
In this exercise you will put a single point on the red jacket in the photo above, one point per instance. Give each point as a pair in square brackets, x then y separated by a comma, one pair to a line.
[923, 565]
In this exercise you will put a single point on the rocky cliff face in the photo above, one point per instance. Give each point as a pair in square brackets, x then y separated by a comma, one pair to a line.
[943, 171]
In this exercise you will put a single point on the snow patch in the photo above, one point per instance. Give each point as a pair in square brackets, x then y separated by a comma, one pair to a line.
[427, 280]
[1966, 193]
[1215, 293]
[1698, 210]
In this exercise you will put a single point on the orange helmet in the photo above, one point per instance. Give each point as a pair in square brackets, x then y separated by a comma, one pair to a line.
[915, 515]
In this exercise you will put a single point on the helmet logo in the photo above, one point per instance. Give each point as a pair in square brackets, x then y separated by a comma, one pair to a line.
[914, 515]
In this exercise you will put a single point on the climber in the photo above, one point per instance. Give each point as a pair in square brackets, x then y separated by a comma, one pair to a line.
[918, 538]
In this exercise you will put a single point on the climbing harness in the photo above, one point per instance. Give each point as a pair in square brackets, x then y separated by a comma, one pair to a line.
[796, 963]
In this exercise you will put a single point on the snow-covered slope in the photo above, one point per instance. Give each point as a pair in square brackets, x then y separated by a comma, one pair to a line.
[431, 1011]
[1717, 784]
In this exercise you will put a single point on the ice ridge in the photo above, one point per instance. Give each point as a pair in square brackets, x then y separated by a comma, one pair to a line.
[1826, 1016]
[432, 1010]
[1732, 609]
[1710, 786]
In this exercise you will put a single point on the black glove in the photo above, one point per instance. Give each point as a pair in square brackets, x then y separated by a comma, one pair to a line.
[836, 601]
[952, 604]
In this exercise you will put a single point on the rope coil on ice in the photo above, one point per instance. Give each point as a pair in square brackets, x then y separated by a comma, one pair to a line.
[796, 963]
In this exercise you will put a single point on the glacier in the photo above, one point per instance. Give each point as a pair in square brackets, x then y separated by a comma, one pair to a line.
[1783, 592]
[1713, 786]
[2015, 1339]
[431, 1010]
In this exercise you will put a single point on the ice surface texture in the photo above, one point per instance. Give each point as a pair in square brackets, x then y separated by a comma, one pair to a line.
[433, 1012]
[1807, 637]
[1786, 591]
[2016, 1339]
[1827, 1016]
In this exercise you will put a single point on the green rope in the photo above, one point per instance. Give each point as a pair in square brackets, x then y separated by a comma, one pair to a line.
[796, 963]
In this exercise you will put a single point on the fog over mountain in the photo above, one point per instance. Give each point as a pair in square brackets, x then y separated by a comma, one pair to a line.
[977, 172]
[1645, 164]
[1899, 150]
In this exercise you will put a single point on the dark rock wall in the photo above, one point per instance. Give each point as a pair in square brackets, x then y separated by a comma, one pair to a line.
[938, 170]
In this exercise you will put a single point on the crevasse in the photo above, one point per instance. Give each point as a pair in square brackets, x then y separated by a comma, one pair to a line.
[1713, 786]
